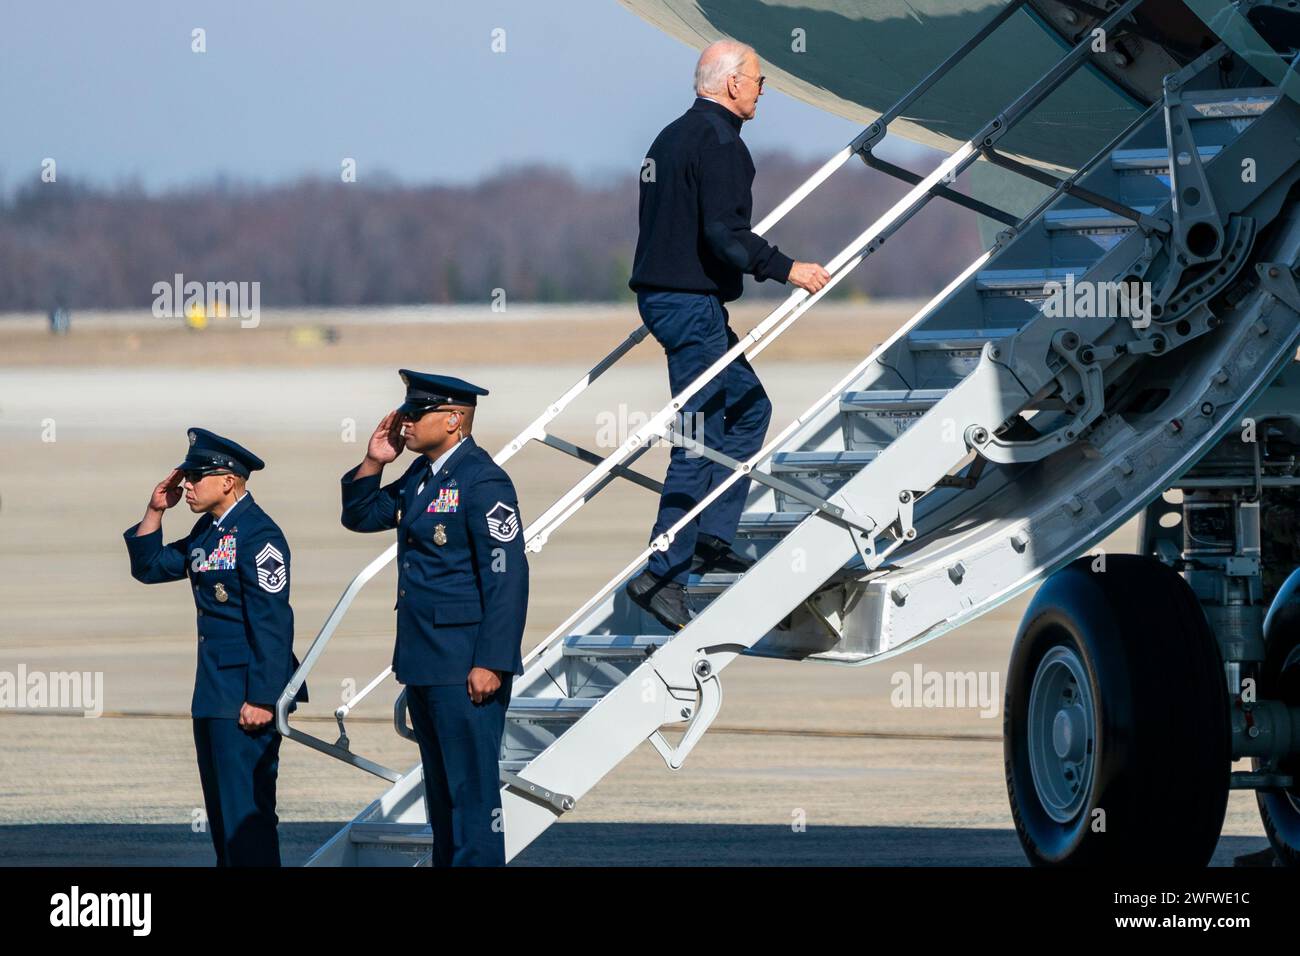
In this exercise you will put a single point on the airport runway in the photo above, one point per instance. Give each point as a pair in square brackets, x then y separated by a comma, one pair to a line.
[808, 764]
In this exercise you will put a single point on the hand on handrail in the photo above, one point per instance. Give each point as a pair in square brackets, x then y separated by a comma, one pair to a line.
[809, 276]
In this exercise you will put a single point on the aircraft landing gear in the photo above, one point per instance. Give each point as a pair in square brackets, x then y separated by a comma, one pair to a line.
[1116, 732]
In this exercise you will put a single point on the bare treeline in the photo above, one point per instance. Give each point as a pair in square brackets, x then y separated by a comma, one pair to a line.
[540, 234]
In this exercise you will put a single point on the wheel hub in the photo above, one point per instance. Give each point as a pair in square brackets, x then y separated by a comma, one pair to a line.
[1068, 734]
[1062, 733]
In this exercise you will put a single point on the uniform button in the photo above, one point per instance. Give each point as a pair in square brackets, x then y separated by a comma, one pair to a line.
[406, 564]
[410, 540]
[200, 612]
[200, 638]
[401, 593]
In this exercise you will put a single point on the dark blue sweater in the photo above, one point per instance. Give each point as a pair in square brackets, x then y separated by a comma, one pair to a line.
[695, 206]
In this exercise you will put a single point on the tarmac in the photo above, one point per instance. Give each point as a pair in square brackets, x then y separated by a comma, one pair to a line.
[808, 763]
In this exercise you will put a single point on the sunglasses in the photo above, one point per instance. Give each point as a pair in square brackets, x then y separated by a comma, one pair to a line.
[194, 477]
[416, 416]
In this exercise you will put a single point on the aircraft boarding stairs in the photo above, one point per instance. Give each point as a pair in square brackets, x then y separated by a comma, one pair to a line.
[985, 444]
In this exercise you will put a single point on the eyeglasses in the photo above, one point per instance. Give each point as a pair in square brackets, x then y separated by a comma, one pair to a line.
[761, 79]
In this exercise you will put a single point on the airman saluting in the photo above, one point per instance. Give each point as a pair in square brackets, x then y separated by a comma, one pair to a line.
[462, 595]
[237, 561]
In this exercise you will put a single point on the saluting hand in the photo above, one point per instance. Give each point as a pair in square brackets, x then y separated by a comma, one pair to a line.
[167, 492]
[482, 683]
[387, 442]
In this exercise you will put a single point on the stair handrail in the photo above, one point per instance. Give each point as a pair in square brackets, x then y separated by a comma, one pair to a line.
[662, 541]
[864, 140]
[780, 319]
[844, 262]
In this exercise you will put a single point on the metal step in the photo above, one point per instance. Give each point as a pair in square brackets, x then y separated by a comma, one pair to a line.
[1230, 103]
[594, 664]
[711, 585]
[414, 835]
[634, 646]
[943, 357]
[390, 844]
[1152, 162]
[1141, 175]
[548, 709]
[816, 462]
[1089, 219]
[1006, 298]
[769, 524]
[872, 419]
[702, 590]
[822, 472]
[948, 340]
[1022, 283]
[534, 723]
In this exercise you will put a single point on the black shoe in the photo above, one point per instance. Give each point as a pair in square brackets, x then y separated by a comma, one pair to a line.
[715, 555]
[666, 600]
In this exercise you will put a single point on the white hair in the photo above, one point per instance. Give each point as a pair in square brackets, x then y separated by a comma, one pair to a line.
[717, 62]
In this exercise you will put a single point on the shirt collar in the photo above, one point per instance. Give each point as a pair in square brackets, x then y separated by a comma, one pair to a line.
[704, 103]
[441, 460]
[219, 521]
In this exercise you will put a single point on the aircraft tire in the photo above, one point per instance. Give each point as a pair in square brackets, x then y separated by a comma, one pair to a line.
[1116, 730]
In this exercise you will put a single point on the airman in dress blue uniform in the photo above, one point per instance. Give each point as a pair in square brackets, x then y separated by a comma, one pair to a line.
[237, 562]
[462, 595]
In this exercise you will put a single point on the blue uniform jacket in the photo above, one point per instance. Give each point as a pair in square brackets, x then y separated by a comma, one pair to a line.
[462, 577]
[245, 646]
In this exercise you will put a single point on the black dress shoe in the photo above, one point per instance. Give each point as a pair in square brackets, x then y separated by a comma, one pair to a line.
[715, 555]
[666, 600]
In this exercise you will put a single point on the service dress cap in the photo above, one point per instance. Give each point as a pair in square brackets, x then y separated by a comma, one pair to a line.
[209, 452]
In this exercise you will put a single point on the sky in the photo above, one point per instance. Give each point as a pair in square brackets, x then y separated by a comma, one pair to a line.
[114, 93]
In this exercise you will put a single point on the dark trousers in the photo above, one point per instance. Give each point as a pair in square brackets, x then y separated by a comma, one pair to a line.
[237, 769]
[460, 748]
[730, 414]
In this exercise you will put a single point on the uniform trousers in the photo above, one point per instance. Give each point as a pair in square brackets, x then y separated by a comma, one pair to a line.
[460, 748]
